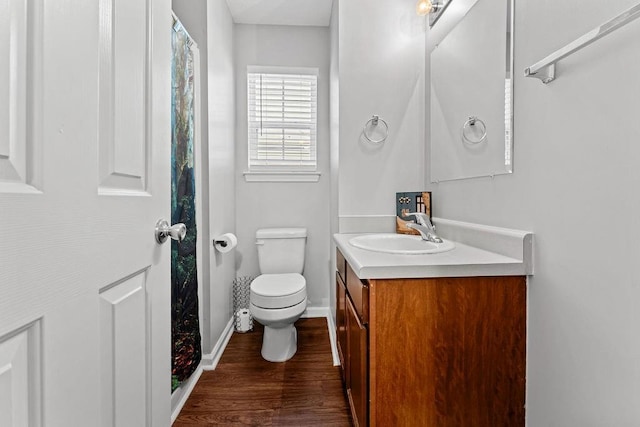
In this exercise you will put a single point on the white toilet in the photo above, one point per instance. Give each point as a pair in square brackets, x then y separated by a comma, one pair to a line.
[279, 294]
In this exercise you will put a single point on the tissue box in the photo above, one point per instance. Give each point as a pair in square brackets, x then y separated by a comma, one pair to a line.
[417, 201]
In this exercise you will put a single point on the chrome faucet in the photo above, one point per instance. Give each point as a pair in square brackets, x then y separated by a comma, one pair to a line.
[424, 226]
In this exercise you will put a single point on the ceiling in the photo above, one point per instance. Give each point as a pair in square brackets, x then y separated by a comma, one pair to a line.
[281, 12]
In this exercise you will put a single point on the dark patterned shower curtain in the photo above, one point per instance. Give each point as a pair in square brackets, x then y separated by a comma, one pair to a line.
[185, 328]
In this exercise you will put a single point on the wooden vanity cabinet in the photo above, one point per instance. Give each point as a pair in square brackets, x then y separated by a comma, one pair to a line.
[433, 352]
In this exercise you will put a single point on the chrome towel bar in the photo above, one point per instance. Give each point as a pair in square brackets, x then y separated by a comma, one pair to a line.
[545, 69]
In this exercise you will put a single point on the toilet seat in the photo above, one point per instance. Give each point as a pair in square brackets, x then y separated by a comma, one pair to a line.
[278, 290]
[273, 316]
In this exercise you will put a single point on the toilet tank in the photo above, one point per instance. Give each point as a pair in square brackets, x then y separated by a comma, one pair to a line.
[281, 250]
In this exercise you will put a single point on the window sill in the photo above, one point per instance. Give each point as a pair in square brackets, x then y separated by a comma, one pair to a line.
[281, 176]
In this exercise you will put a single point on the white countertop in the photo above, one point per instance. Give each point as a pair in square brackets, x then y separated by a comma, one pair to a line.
[463, 261]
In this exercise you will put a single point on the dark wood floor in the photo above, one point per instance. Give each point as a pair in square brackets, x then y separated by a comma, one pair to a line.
[245, 390]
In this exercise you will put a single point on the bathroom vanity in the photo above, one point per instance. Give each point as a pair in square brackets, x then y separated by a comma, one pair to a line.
[437, 339]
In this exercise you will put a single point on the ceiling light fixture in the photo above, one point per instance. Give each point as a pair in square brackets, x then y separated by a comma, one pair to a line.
[424, 7]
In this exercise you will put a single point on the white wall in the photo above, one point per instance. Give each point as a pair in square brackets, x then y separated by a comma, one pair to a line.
[575, 184]
[260, 205]
[221, 99]
[381, 68]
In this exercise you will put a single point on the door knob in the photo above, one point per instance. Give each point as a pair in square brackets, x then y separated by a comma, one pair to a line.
[164, 230]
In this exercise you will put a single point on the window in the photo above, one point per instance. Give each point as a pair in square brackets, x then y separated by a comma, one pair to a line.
[282, 116]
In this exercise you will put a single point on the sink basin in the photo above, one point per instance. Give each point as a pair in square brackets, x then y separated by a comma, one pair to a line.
[400, 244]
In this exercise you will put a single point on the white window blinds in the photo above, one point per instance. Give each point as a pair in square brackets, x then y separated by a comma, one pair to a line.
[282, 116]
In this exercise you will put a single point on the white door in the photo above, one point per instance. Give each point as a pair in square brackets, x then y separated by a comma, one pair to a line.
[84, 176]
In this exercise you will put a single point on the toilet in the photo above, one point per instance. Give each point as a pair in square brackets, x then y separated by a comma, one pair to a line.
[279, 295]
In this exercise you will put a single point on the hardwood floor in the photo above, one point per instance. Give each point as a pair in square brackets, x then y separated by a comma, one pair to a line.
[245, 390]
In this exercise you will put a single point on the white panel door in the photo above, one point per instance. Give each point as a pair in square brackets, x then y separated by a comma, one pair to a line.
[84, 176]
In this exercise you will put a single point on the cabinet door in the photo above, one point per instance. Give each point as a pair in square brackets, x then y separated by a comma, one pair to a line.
[358, 369]
[341, 326]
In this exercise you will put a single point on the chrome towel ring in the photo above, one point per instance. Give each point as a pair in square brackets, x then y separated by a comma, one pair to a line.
[474, 121]
[374, 122]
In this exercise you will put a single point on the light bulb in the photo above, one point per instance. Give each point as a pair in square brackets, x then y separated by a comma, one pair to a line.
[423, 7]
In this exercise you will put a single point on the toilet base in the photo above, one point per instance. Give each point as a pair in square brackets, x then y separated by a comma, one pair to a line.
[279, 344]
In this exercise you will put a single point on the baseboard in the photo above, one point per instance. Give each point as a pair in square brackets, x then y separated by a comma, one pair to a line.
[209, 362]
[313, 312]
[181, 394]
[332, 337]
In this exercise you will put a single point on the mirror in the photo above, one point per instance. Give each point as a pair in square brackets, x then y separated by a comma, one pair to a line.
[471, 115]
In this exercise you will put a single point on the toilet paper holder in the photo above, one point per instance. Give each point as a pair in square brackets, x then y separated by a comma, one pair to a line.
[225, 242]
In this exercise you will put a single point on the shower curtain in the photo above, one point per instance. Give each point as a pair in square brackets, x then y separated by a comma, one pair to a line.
[185, 328]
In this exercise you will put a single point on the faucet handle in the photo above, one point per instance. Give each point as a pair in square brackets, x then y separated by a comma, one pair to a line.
[422, 218]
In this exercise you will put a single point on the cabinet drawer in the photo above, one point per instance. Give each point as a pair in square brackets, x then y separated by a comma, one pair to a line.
[341, 265]
[359, 293]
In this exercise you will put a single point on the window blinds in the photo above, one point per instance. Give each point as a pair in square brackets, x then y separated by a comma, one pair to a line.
[282, 116]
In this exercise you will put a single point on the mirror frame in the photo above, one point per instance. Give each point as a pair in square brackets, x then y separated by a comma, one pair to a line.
[433, 17]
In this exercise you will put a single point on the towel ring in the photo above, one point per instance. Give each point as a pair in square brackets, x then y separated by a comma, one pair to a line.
[374, 121]
[472, 122]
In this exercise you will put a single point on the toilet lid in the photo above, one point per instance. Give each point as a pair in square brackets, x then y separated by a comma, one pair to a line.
[278, 290]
